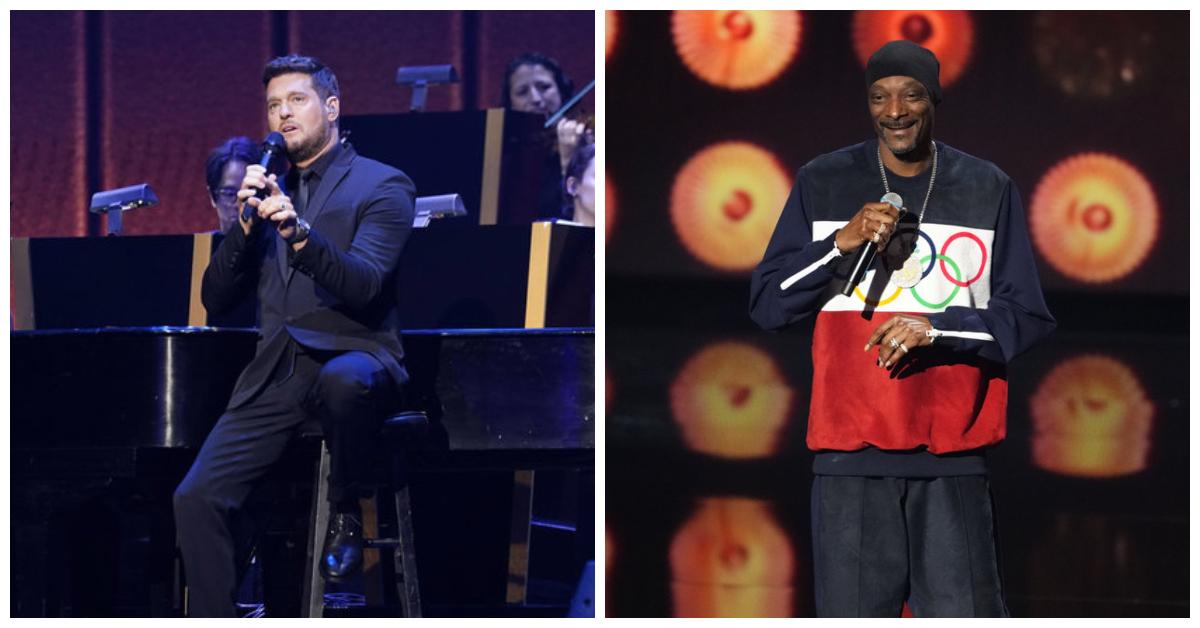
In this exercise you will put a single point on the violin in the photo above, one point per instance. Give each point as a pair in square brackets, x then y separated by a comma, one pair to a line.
[550, 128]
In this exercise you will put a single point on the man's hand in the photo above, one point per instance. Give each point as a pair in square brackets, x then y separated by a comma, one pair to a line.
[897, 336]
[254, 180]
[276, 208]
[875, 222]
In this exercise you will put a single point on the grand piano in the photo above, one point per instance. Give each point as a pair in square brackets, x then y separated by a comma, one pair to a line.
[117, 377]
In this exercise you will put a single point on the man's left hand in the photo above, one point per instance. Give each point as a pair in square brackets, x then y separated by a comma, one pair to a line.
[279, 210]
[897, 336]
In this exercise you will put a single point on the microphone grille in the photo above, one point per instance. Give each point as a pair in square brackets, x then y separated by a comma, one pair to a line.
[893, 199]
[274, 141]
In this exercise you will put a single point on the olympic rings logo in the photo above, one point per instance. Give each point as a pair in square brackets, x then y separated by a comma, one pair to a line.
[982, 259]
[927, 263]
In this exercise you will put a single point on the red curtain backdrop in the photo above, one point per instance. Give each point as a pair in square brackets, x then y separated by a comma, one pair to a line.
[150, 93]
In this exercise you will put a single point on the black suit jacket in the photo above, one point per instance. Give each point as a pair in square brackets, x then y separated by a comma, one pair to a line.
[338, 293]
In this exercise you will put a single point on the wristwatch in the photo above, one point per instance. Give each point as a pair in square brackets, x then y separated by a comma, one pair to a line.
[301, 233]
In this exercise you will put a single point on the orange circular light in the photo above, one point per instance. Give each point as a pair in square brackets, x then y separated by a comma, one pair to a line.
[610, 207]
[736, 49]
[1094, 217]
[1091, 418]
[725, 202]
[948, 34]
[610, 32]
[730, 400]
[732, 559]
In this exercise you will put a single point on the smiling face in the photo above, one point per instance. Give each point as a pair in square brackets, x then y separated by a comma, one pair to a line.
[307, 123]
[902, 113]
[532, 89]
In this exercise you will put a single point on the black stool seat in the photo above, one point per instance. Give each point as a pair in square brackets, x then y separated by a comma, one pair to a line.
[404, 423]
[407, 423]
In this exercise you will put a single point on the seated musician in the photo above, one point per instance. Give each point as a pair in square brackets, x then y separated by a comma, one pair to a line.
[535, 83]
[580, 186]
[223, 172]
[321, 246]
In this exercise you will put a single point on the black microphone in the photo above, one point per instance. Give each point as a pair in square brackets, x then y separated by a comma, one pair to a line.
[866, 254]
[271, 147]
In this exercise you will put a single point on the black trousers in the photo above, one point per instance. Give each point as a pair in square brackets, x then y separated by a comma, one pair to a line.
[878, 542]
[349, 392]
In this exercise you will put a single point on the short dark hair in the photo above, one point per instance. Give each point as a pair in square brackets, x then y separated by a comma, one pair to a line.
[240, 148]
[323, 79]
[566, 88]
[580, 158]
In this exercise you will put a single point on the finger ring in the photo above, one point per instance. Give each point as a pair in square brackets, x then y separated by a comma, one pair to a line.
[875, 238]
[904, 348]
[893, 343]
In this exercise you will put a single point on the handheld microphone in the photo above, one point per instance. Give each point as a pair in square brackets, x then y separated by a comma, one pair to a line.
[866, 254]
[271, 147]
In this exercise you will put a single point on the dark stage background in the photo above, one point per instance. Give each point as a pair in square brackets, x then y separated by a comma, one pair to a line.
[708, 477]
[102, 100]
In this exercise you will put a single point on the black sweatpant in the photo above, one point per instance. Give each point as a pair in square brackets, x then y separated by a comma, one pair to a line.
[879, 541]
[350, 393]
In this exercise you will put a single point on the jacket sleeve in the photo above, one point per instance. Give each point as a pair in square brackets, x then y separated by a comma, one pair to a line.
[357, 276]
[1016, 315]
[233, 270]
[789, 282]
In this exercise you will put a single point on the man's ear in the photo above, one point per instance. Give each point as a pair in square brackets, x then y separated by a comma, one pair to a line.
[333, 108]
[572, 185]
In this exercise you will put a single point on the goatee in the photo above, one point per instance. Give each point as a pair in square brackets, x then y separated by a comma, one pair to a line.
[306, 150]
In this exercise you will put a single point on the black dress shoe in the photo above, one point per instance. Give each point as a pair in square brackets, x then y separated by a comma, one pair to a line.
[343, 552]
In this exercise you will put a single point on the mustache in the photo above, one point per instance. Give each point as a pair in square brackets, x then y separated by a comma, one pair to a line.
[901, 124]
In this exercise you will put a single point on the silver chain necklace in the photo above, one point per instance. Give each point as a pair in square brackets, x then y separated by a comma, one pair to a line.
[932, 178]
[909, 274]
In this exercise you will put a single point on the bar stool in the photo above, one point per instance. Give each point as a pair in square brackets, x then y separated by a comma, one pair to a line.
[398, 432]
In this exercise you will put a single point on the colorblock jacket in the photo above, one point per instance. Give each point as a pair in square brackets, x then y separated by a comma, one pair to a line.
[979, 288]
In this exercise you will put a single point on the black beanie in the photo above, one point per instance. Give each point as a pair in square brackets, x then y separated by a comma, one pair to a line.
[904, 58]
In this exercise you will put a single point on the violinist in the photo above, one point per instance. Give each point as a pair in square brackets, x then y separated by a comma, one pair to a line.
[580, 186]
[536, 83]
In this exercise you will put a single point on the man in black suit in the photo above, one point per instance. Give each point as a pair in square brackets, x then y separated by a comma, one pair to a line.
[323, 255]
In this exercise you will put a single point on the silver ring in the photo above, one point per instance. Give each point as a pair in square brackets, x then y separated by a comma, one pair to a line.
[893, 343]
[904, 348]
[875, 238]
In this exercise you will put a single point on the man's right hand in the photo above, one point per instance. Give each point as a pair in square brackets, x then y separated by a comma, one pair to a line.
[873, 218]
[255, 180]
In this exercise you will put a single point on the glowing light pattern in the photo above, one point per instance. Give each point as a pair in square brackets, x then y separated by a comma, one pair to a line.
[1091, 418]
[725, 202]
[736, 49]
[732, 559]
[948, 34]
[730, 400]
[610, 207]
[1094, 217]
[610, 32]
